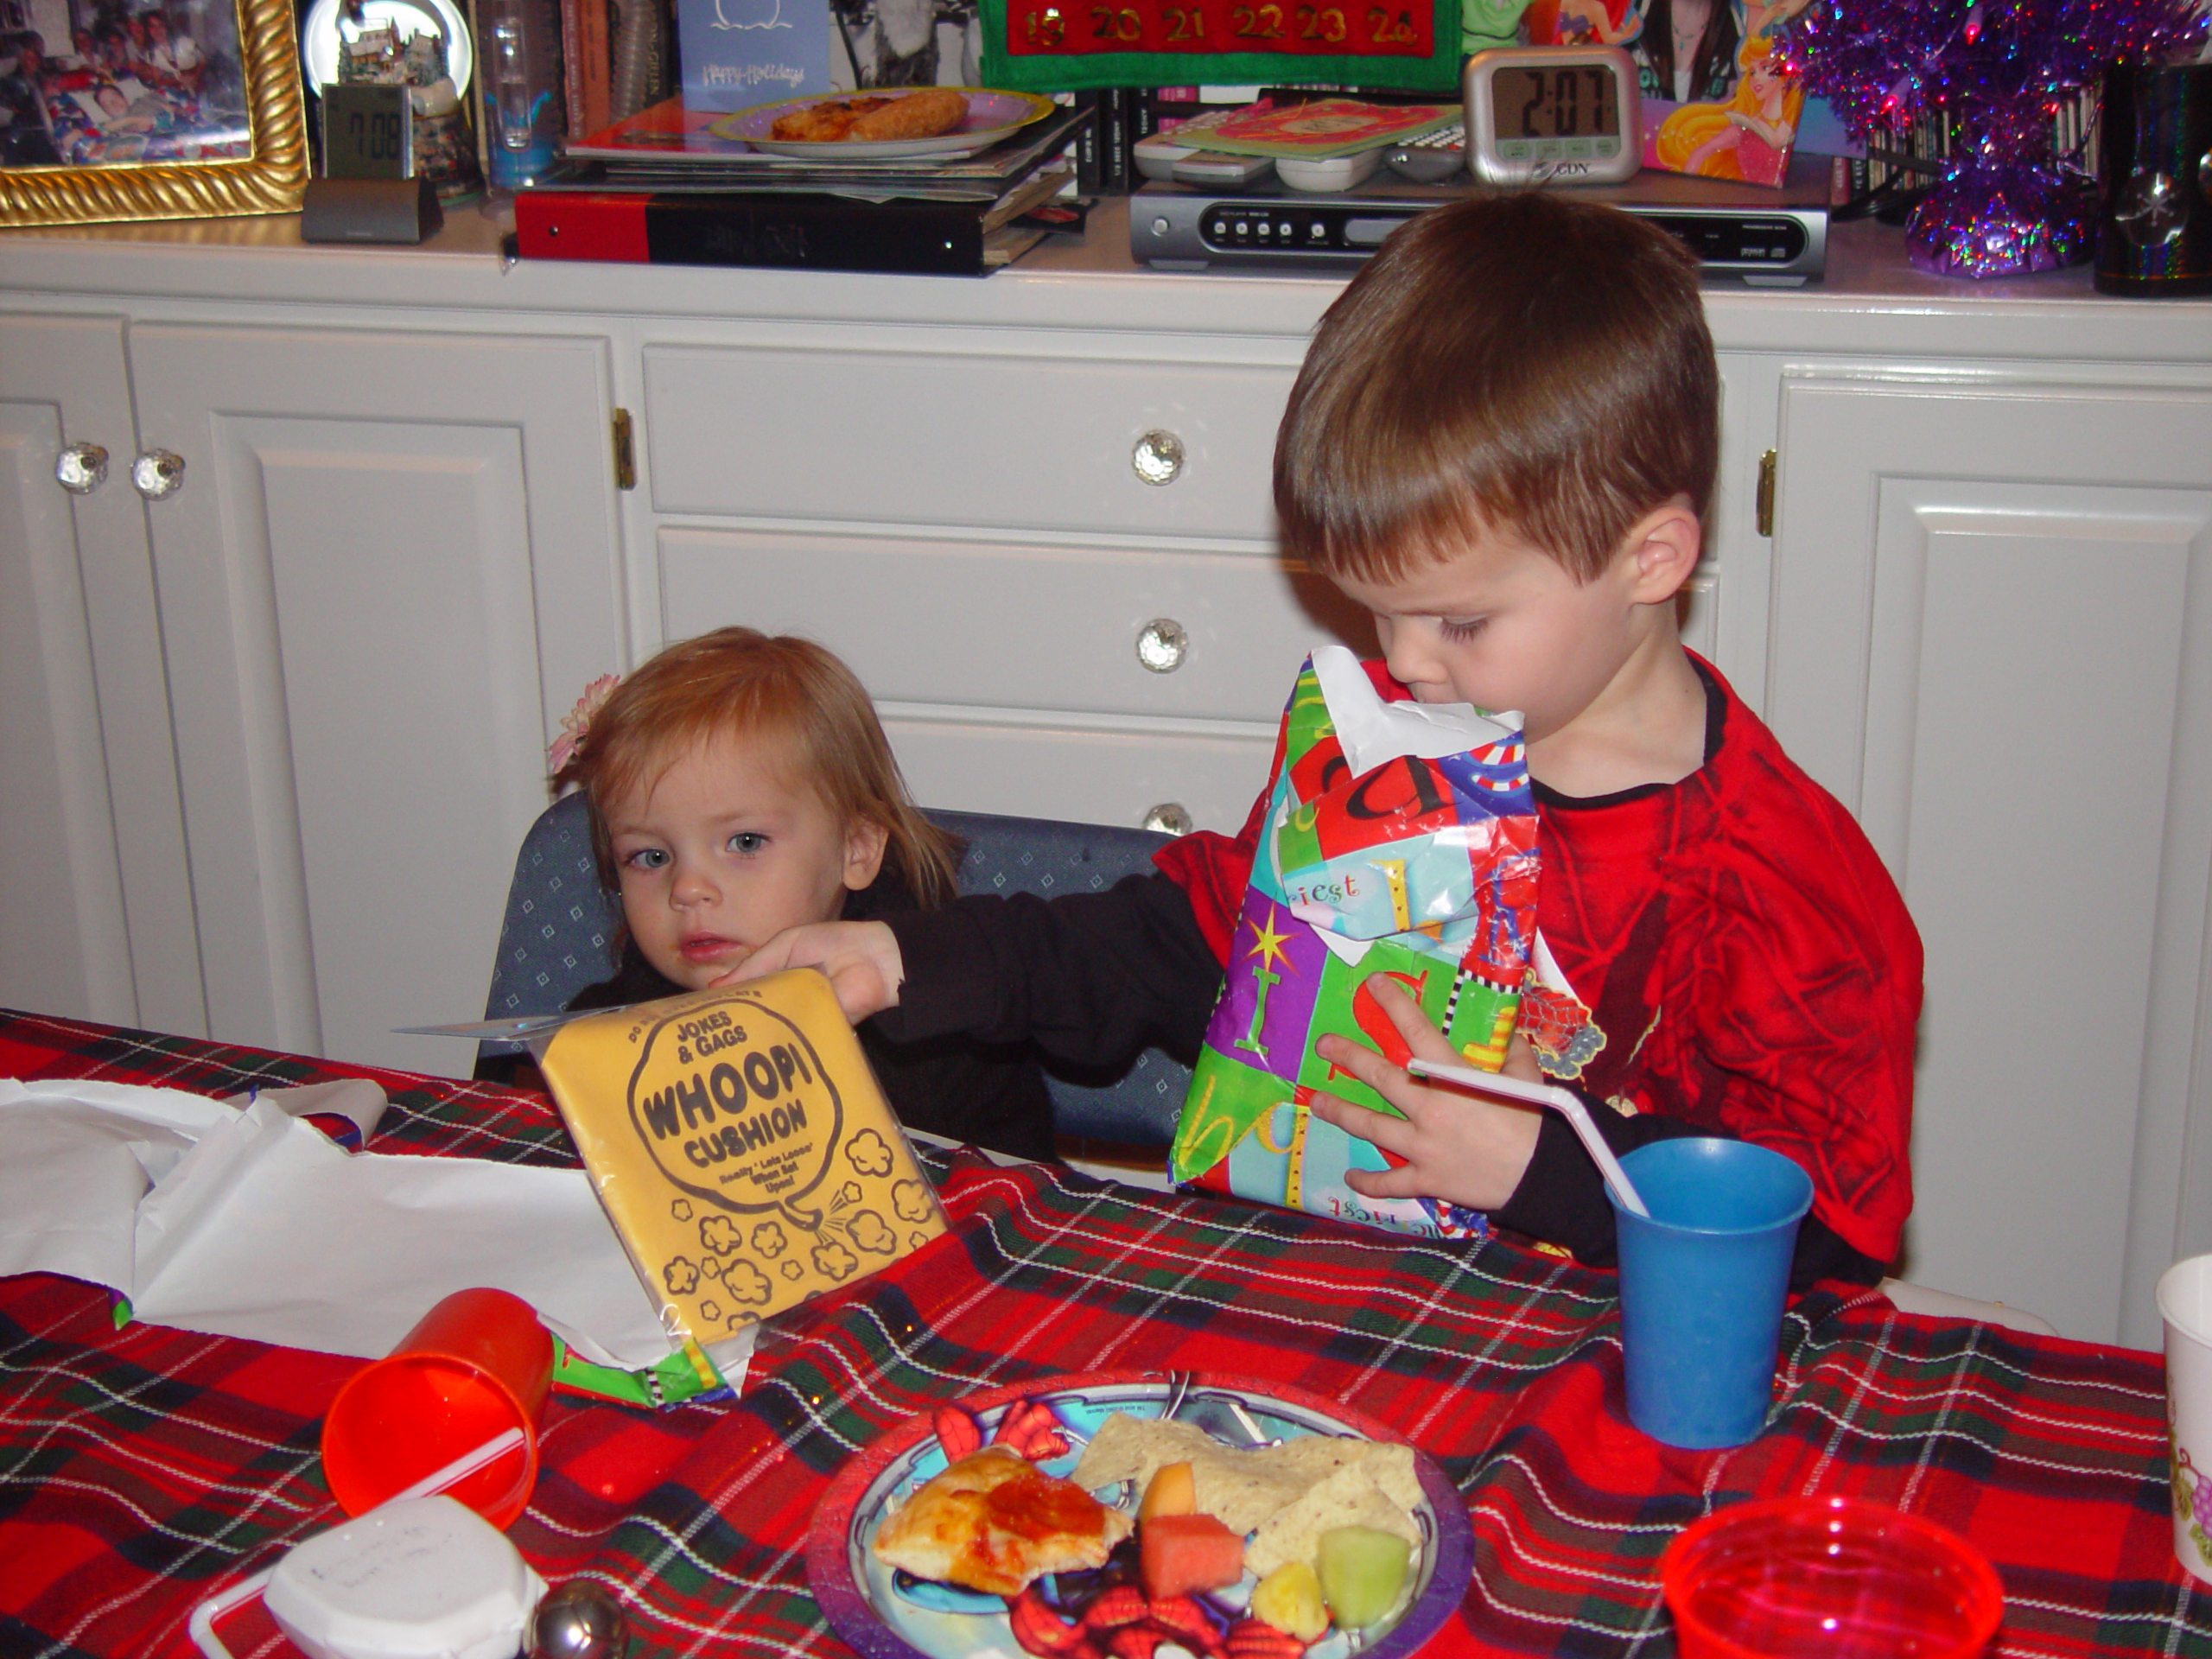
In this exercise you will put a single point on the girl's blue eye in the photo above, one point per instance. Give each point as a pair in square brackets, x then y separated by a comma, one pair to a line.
[748, 841]
[648, 858]
[1466, 630]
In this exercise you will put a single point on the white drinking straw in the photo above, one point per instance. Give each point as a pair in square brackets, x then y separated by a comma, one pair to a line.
[1564, 1102]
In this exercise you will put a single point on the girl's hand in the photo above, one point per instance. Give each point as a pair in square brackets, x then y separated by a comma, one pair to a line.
[860, 959]
[1462, 1147]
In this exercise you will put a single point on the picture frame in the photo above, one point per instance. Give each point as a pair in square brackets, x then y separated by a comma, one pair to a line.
[160, 109]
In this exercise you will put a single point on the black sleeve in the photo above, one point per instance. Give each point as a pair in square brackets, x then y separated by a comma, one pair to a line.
[1090, 979]
[635, 980]
[1562, 1200]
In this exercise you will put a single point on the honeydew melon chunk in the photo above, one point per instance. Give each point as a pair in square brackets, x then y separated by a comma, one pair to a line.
[1362, 1570]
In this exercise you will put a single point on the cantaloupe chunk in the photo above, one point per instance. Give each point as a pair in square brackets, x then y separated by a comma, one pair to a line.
[1171, 1490]
[1177, 1553]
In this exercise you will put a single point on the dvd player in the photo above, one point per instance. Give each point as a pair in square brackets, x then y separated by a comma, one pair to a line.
[1774, 238]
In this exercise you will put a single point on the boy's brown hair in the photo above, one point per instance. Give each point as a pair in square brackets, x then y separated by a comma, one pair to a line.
[780, 689]
[1520, 362]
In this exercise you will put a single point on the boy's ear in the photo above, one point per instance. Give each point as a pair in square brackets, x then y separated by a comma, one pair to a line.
[864, 844]
[1665, 545]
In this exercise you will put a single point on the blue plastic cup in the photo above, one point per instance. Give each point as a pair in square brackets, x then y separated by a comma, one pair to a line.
[1703, 1280]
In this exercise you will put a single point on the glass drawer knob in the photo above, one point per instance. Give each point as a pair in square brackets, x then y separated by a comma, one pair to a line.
[1162, 645]
[1158, 457]
[1171, 818]
[81, 468]
[156, 473]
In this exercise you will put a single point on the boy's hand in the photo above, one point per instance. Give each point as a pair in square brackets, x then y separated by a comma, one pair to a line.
[861, 958]
[1461, 1147]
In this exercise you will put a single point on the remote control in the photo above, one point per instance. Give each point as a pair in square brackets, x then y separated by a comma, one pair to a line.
[1214, 168]
[1434, 158]
[1156, 156]
[1327, 172]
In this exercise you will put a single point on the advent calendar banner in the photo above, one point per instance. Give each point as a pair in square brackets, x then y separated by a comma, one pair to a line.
[1400, 839]
[1068, 45]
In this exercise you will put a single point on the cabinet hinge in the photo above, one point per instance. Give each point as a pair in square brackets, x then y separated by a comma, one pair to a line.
[625, 453]
[1766, 493]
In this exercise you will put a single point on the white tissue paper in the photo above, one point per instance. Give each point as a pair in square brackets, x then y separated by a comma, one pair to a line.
[249, 1223]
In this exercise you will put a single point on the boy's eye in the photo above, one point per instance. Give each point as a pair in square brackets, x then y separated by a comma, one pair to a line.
[646, 858]
[748, 841]
[1457, 628]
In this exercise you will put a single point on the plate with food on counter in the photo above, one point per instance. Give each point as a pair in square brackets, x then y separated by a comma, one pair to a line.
[1140, 1512]
[884, 124]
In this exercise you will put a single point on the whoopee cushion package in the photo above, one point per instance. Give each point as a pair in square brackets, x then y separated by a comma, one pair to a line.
[1400, 839]
[743, 1150]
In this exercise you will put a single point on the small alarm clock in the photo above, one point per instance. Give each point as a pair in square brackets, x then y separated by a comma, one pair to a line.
[1553, 115]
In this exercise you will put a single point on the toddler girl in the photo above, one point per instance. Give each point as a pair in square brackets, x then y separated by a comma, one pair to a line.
[741, 785]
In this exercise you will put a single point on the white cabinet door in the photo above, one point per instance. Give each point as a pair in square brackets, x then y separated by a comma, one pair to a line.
[389, 569]
[2006, 671]
[95, 909]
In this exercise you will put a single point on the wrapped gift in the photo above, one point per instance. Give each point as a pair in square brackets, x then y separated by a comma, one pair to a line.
[1400, 839]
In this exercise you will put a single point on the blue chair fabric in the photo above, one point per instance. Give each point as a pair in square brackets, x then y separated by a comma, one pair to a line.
[559, 931]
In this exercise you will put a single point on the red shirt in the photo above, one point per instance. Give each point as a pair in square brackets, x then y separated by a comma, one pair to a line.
[1741, 959]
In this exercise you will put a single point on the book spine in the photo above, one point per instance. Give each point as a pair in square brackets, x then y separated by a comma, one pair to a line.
[716, 228]
[599, 63]
[1089, 171]
[1114, 164]
[1143, 123]
[572, 68]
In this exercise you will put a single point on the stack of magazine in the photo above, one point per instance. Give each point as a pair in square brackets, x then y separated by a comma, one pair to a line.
[674, 185]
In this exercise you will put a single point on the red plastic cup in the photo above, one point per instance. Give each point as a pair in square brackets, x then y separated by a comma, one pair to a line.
[1827, 1578]
[477, 1365]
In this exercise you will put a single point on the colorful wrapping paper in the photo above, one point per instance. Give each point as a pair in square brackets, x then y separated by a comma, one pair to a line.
[1400, 840]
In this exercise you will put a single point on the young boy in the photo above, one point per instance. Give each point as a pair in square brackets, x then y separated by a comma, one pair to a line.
[1502, 443]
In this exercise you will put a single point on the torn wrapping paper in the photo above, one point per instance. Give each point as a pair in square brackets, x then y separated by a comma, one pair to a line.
[249, 1223]
[1400, 839]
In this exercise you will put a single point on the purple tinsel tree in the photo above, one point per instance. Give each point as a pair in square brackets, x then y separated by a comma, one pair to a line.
[1999, 70]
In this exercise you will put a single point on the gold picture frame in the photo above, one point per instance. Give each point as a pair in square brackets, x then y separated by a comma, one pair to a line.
[162, 153]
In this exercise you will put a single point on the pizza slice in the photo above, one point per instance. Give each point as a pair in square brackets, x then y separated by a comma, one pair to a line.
[992, 1522]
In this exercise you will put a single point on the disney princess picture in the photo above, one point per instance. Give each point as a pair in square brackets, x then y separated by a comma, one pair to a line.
[1716, 100]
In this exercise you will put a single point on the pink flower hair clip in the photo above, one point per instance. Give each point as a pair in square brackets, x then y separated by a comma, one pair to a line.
[576, 723]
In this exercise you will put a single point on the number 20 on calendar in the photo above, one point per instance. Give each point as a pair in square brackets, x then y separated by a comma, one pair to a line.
[1073, 28]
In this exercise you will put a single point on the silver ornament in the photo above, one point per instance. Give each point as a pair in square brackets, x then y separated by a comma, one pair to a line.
[579, 1620]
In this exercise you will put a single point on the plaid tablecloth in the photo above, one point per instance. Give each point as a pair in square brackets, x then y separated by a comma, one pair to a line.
[143, 1469]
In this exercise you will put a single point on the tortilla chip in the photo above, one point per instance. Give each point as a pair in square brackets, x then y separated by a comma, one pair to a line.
[1348, 1498]
[1246, 1491]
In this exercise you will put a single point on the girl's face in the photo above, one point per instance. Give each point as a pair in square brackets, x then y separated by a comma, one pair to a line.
[725, 851]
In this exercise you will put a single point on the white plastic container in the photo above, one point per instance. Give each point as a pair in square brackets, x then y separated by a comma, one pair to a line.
[421, 1577]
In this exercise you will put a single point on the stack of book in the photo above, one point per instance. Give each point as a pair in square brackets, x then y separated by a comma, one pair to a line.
[677, 186]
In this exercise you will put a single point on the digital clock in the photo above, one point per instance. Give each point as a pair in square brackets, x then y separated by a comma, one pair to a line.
[367, 131]
[1553, 115]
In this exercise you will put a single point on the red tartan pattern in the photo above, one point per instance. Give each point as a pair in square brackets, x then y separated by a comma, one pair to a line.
[144, 1469]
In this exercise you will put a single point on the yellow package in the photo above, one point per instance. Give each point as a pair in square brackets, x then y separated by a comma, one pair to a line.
[742, 1148]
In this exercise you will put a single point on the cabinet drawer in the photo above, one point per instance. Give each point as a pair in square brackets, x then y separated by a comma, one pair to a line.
[1083, 777]
[1042, 443]
[1017, 626]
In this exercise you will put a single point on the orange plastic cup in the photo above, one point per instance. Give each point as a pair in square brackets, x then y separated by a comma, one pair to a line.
[477, 1365]
[1834, 1577]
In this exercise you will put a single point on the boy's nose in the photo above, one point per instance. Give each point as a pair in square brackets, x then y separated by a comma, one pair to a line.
[1408, 653]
